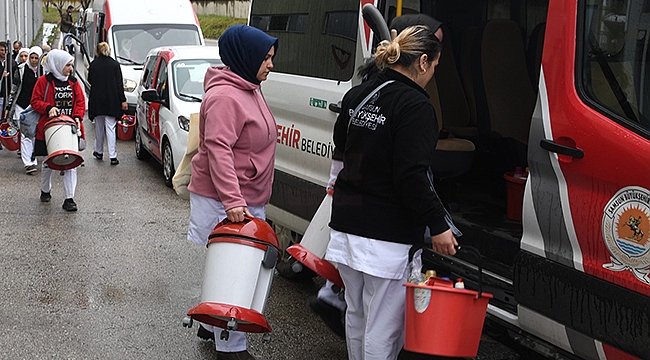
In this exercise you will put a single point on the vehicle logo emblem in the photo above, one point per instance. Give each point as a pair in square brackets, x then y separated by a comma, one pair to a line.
[626, 231]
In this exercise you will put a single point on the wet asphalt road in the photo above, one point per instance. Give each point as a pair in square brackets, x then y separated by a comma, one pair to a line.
[115, 279]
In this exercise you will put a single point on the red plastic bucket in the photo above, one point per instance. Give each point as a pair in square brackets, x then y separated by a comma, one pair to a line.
[444, 321]
[11, 142]
[515, 196]
[125, 127]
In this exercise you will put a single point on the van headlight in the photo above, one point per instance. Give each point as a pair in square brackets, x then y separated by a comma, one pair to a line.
[184, 123]
[129, 85]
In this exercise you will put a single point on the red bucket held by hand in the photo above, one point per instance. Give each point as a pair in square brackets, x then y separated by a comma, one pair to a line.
[9, 141]
[445, 321]
[125, 127]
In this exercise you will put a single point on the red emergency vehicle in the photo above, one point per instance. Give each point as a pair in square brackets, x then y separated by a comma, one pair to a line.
[542, 100]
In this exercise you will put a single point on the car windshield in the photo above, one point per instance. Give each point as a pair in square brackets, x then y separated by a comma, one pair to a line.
[133, 42]
[188, 77]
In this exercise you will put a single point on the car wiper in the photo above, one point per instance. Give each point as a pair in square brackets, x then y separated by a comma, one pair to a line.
[196, 99]
[128, 60]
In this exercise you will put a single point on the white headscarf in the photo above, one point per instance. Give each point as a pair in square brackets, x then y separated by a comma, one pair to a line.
[34, 50]
[55, 61]
[22, 50]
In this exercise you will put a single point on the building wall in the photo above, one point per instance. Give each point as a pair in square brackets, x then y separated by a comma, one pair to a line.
[230, 8]
[21, 20]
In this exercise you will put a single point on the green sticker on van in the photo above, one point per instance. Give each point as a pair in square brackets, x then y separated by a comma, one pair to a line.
[319, 103]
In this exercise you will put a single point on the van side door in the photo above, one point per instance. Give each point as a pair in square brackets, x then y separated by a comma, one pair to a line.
[585, 255]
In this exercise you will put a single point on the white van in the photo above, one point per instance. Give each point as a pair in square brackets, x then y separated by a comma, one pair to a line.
[556, 86]
[132, 28]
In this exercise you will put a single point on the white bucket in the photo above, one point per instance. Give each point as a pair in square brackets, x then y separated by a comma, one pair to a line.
[237, 277]
[311, 249]
[62, 143]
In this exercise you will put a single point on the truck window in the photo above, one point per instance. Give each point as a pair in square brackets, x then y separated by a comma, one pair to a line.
[133, 42]
[189, 75]
[315, 41]
[613, 75]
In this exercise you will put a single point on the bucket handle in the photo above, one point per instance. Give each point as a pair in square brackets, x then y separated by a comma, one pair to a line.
[466, 249]
[477, 254]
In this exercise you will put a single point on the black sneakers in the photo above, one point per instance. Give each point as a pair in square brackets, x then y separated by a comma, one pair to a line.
[205, 334]
[114, 161]
[329, 314]
[98, 156]
[45, 196]
[30, 169]
[69, 205]
[240, 355]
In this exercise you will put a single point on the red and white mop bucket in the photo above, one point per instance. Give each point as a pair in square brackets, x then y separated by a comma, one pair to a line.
[239, 268]
[62, 143]
[311, 249]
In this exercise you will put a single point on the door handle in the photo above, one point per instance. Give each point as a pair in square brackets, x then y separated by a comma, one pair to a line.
[335, 108]
[552, 146]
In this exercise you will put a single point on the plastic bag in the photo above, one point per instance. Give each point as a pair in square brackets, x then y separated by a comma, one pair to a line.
[28, 120]
[415, 268]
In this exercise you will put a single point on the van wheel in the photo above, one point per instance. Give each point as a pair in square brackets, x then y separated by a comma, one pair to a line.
[288, 267]
[168, 164]
[140, 152]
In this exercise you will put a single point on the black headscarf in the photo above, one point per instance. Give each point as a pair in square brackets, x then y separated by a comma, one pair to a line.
[243, 48]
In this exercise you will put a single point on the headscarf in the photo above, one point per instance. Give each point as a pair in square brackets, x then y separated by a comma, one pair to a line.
[55, 62]
[22, 50]
[243, 48]
[34, 50]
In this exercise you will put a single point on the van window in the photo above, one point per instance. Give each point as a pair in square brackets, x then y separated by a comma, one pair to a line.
[147, 74]
[161, 83]
[133, 42]
[317, 38]
[613, 58]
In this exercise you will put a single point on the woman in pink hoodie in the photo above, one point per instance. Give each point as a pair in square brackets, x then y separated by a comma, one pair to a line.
[232, 172]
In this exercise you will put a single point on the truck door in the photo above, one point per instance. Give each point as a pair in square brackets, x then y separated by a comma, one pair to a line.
[585, 255]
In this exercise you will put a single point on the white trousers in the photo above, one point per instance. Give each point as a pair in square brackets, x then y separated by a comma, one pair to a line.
[69, 180]
[105, 125]
[26, 144]
[205, 214]
[374, 319]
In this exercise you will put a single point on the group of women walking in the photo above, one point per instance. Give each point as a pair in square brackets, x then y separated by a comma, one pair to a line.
[57, 92]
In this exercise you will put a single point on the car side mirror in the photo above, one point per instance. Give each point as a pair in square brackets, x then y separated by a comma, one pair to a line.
[150, 96]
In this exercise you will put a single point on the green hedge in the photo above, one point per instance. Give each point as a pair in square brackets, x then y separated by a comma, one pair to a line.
[213, 26]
